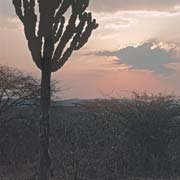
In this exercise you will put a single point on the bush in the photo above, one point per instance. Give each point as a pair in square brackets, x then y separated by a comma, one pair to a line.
[17, 91]
[150, 129]
[105, 139]
[143, 131]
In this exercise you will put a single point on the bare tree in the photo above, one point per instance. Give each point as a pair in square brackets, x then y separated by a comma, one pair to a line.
[16, 89]
[51, 46]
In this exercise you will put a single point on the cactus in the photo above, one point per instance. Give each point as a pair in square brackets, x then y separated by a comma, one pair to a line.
[51, 28]
[52, 38]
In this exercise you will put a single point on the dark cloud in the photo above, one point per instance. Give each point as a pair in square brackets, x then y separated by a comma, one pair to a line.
[145, 57]
[114, 5]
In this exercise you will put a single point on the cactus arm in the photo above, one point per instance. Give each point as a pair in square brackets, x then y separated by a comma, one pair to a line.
[29, 19]
[79, 39]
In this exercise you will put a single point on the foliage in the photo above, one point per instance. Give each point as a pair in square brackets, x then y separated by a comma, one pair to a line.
[16, 89]
[107, 139]
[151, 125]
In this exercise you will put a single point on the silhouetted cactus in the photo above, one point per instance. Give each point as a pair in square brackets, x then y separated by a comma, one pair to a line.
[52, 30]
[51, 43]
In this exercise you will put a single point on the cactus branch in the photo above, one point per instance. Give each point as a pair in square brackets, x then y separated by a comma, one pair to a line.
[58, 31]
[18, 8]
[68, 34]
[29, 19]
[79, 39]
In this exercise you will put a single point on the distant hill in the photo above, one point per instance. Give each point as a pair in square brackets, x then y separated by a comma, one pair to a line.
[71, 102]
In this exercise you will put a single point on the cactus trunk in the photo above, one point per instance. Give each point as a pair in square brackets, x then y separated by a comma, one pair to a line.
[44, 127]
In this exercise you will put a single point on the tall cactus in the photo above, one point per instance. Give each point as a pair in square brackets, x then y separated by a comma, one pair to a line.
[52, 38]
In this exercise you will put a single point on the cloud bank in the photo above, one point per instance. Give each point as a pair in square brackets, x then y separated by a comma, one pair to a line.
[147, 56]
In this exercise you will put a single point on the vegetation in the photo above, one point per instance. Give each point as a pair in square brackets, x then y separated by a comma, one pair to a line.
[16, 89]
[101, 139]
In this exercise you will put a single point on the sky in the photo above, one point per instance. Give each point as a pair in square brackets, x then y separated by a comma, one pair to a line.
[135, 48]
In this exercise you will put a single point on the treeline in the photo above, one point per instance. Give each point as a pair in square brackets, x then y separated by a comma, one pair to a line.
[101, 139]
[119, 138]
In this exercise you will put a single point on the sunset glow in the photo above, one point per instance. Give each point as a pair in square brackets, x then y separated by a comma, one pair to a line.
[135, 48]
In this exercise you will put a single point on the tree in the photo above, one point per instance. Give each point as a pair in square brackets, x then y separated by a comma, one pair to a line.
[150, 124]
[16, 89]
[51, 46]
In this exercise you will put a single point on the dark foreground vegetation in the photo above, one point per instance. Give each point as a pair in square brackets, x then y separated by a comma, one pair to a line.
[97, 140]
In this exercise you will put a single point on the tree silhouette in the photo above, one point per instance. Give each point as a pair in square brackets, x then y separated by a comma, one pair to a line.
[52, 37]
[17, 89]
